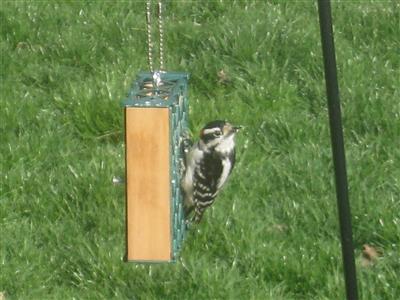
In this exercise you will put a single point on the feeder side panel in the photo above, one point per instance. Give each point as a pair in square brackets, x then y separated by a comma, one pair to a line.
[148, 184]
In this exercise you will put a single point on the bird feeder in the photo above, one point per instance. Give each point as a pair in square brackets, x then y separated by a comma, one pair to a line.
[156, 117]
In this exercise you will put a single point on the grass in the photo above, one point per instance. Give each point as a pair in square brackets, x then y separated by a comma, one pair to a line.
[273, 233]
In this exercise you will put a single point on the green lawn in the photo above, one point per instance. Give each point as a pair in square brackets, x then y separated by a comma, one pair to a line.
[273, 233]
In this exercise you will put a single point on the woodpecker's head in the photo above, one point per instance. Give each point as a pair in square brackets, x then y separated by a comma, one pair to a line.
[219, 135]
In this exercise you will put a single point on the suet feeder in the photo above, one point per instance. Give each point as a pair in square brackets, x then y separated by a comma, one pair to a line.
[156, 118]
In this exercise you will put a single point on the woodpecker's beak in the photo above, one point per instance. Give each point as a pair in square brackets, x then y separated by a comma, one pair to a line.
[236, 128]
[230, 129]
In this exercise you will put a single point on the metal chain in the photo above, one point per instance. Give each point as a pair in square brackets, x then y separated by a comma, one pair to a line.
[161, 32]
[149, 35]
[149, 42]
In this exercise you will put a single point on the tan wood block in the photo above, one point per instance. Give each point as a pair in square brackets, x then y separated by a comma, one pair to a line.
[148, 220]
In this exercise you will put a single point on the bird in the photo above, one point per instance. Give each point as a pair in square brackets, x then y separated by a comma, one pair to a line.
[207, 166]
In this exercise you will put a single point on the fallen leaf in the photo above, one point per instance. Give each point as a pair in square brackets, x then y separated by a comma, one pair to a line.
[369, 255]
[223, 78]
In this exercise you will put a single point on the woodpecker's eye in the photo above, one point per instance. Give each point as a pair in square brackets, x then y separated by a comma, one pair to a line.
[217, 133]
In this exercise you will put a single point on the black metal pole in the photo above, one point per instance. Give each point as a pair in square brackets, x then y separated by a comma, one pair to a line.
[339, 159]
